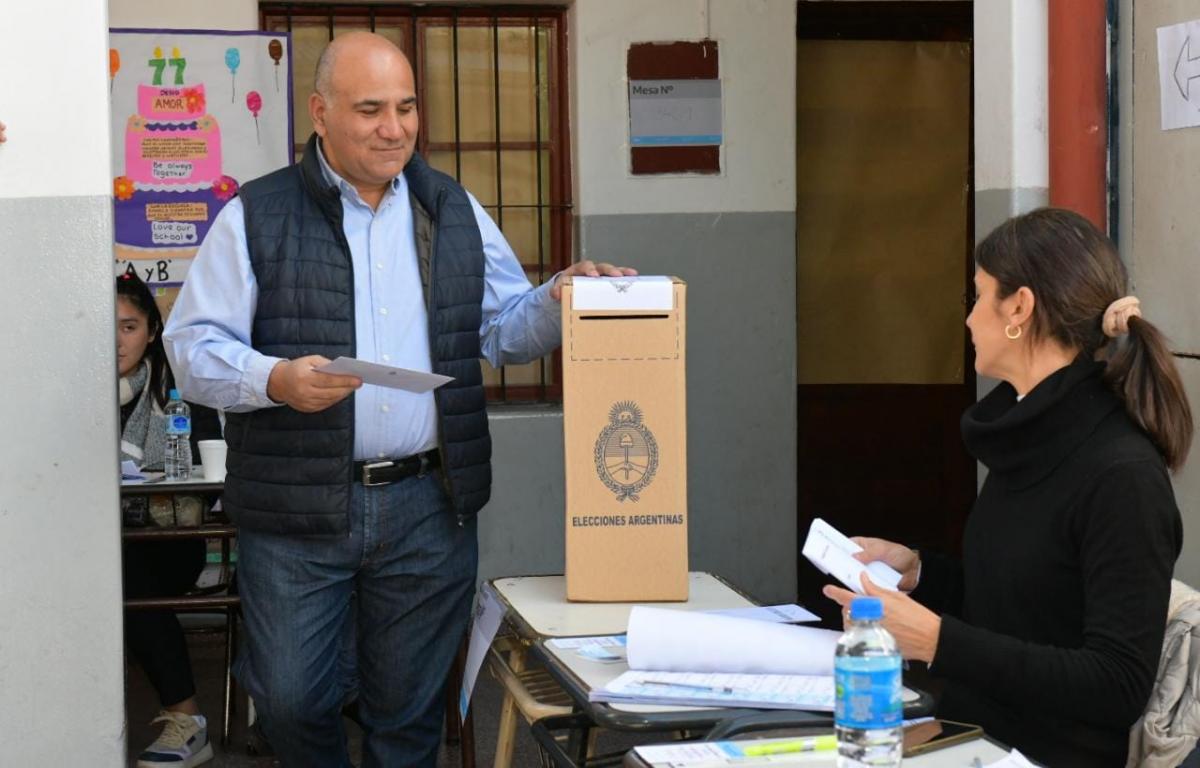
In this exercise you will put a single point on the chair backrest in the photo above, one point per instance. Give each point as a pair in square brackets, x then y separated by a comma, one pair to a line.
[1165, 736]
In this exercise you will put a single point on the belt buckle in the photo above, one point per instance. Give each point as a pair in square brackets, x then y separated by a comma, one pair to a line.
[366, 474]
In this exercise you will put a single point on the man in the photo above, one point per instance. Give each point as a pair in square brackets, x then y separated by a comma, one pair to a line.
[360, 250]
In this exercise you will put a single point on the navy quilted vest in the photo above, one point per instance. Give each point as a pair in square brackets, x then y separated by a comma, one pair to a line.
[290, 472]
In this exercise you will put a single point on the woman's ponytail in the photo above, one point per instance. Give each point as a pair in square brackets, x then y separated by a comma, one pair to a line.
[1142, 372]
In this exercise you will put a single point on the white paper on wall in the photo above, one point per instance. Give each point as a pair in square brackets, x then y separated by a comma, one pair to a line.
[1179, 74]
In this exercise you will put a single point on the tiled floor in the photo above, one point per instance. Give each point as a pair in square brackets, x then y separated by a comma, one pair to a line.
[207, 652]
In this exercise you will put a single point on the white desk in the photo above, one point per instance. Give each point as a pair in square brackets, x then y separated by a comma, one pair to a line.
[539, 605]
[538, 609]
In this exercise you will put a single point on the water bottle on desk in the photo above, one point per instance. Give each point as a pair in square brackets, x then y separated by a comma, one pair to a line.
[177, 455]
[870, 706]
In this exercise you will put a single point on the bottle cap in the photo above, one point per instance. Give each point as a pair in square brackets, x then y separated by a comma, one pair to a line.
[174, 394]
[866, 608]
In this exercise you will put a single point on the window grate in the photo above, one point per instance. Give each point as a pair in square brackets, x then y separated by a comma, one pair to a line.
[491, 88]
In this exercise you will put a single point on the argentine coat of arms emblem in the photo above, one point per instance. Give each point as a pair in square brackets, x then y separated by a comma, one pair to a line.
[626, 452]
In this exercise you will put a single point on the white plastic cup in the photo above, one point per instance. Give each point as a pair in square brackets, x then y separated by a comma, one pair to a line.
[212, 458]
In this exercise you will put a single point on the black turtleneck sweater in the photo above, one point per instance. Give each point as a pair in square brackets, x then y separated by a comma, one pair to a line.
[1053, 624]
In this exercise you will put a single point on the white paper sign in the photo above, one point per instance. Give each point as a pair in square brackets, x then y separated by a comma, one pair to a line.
[489, 612]
[1179, 74]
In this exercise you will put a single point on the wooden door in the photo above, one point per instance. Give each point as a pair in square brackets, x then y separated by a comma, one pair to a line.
[884, 234]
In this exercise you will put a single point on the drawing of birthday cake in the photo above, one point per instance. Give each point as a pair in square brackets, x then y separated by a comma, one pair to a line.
[173, 187]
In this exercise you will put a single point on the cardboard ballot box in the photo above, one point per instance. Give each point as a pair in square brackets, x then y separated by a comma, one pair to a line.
[625, 434]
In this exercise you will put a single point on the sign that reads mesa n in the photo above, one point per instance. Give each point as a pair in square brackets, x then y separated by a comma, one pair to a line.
[674, 113]
[625, 429]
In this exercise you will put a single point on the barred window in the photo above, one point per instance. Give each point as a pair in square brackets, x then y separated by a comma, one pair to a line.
[491, 90]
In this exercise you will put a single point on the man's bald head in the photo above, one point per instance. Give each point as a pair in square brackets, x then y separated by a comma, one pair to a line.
[364, 110]
[349, 48]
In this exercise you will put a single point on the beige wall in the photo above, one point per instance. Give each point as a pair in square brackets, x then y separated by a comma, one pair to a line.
[1161, 237]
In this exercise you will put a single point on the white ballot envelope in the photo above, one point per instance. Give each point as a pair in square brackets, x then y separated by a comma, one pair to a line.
[385, 375]
[833, 553]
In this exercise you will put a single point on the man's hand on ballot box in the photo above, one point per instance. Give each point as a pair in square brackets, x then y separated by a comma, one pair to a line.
[588, 268]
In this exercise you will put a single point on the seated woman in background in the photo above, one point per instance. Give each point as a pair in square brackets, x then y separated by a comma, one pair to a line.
[158, 568]
[1048, 633]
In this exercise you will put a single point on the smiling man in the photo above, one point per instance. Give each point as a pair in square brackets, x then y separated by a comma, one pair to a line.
[360, 250]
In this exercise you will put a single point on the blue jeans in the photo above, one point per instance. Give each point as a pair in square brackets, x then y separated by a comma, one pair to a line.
[412, 570]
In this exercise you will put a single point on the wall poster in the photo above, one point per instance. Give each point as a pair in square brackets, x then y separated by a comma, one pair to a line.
[194, 115]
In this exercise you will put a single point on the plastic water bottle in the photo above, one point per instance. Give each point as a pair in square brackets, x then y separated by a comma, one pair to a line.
[177, 456]
[870, 707]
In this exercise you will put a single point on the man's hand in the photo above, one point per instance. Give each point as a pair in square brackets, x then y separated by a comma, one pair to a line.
[295, 383]
[2, 127]
[588, 269]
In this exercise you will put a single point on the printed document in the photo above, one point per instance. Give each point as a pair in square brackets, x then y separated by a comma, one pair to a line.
[719, 754]
[715, 689]
[833, 553]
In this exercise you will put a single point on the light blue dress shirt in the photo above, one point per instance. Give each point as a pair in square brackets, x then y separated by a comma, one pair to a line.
[207, 335]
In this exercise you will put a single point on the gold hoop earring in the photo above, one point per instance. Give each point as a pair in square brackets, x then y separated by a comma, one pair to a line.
[1010, 335]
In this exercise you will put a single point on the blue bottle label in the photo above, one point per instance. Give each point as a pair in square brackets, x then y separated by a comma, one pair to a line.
[178, 424]
[868, 692]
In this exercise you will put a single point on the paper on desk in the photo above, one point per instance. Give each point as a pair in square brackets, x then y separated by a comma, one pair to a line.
[689, 641]
[716, 754]
[385, 375]
[131, 471]
[779, 614]
[718, 689]
[489, 612]
[606, 649]
[1013, 759]
[832, 552]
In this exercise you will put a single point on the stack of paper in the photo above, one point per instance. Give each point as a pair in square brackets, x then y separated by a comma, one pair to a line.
[701, 659]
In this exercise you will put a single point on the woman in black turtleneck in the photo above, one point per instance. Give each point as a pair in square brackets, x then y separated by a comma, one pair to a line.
[1048, 633]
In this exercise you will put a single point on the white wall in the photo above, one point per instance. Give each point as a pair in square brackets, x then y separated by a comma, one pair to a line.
[177, 14]
[757, 49]
[61, 676]
[1011, 122]
[60, 84]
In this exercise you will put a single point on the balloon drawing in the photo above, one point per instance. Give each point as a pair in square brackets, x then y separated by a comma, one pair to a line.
[275, 51]
[114, 64]
[233, 60]
[254, 104]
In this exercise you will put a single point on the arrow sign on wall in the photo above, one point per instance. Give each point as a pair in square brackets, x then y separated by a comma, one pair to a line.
[1185, 65]
[1178, 66]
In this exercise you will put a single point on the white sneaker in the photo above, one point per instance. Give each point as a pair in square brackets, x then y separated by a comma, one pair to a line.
[183, 743]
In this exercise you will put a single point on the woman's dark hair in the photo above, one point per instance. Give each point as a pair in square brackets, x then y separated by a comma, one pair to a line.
[1074, 272]
[131, 287]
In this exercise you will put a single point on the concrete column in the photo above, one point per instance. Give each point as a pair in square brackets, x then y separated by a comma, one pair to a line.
[61, 671]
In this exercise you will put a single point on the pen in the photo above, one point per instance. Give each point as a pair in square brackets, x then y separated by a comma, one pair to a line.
[815, 744]
[688, 686]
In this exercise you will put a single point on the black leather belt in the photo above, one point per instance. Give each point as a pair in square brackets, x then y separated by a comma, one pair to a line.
[384, 471]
